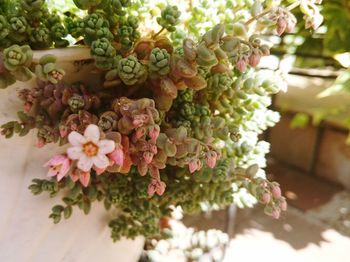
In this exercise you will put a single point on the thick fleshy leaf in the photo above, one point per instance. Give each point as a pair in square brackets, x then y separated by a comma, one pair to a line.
[196, 82]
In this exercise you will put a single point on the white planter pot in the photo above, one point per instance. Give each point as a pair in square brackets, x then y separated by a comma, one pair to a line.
[26, 232]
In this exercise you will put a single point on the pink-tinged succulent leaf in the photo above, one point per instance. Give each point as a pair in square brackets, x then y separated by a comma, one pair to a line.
[189, 47]
[168, 87]
[164, 102]
[196, 82]
[182, 68]
[142, 168]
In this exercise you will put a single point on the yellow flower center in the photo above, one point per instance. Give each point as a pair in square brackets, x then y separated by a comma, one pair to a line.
[90, 149]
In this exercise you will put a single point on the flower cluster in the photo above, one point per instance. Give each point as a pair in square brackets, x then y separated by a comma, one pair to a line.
[173, 123]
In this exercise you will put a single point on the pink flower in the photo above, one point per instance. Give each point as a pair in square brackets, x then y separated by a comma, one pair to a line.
[59, 166]
[117, 156]
[156, 186]
[89, 150]
[83, 177]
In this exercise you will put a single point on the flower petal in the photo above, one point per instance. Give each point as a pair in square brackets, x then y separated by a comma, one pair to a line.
[76, 139]
[100, 161]
[85, 163]
[75, 152]
[106, 146]
[51, 172]
[92, 133]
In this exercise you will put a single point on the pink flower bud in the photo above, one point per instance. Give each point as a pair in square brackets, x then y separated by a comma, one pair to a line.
[140, 132]
[283, 205]
[148, 157]
[265, 198]
[99, 171]
[281, 25]
[193, 165]
[154, 133]
[211, 158]
[156, 186]
[117, 156]
[139, 120]
[276, 191]
[63, 131]
[153, 149]
[27, 107]
[241, 65]
[276, 213]
[40, 143]
[254, 59]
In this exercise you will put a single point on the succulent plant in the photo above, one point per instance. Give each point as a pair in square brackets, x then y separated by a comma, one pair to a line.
[127, 31]
[104, 54]
[169, 18]
[131, 71]
[57, 33]
[181, 113]
[6, 80]
[159, 61]
[87, 4]
[40, 37]
[18, 28]
[4, 27]
[16, 60]
[96, 27]
[48, 71]
[32, 5]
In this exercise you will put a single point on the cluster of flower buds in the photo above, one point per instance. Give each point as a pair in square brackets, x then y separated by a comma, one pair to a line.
[284, 19]
[266, 192]
[312, 16]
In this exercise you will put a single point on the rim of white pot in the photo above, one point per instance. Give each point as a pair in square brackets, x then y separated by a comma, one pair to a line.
[64, 54]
